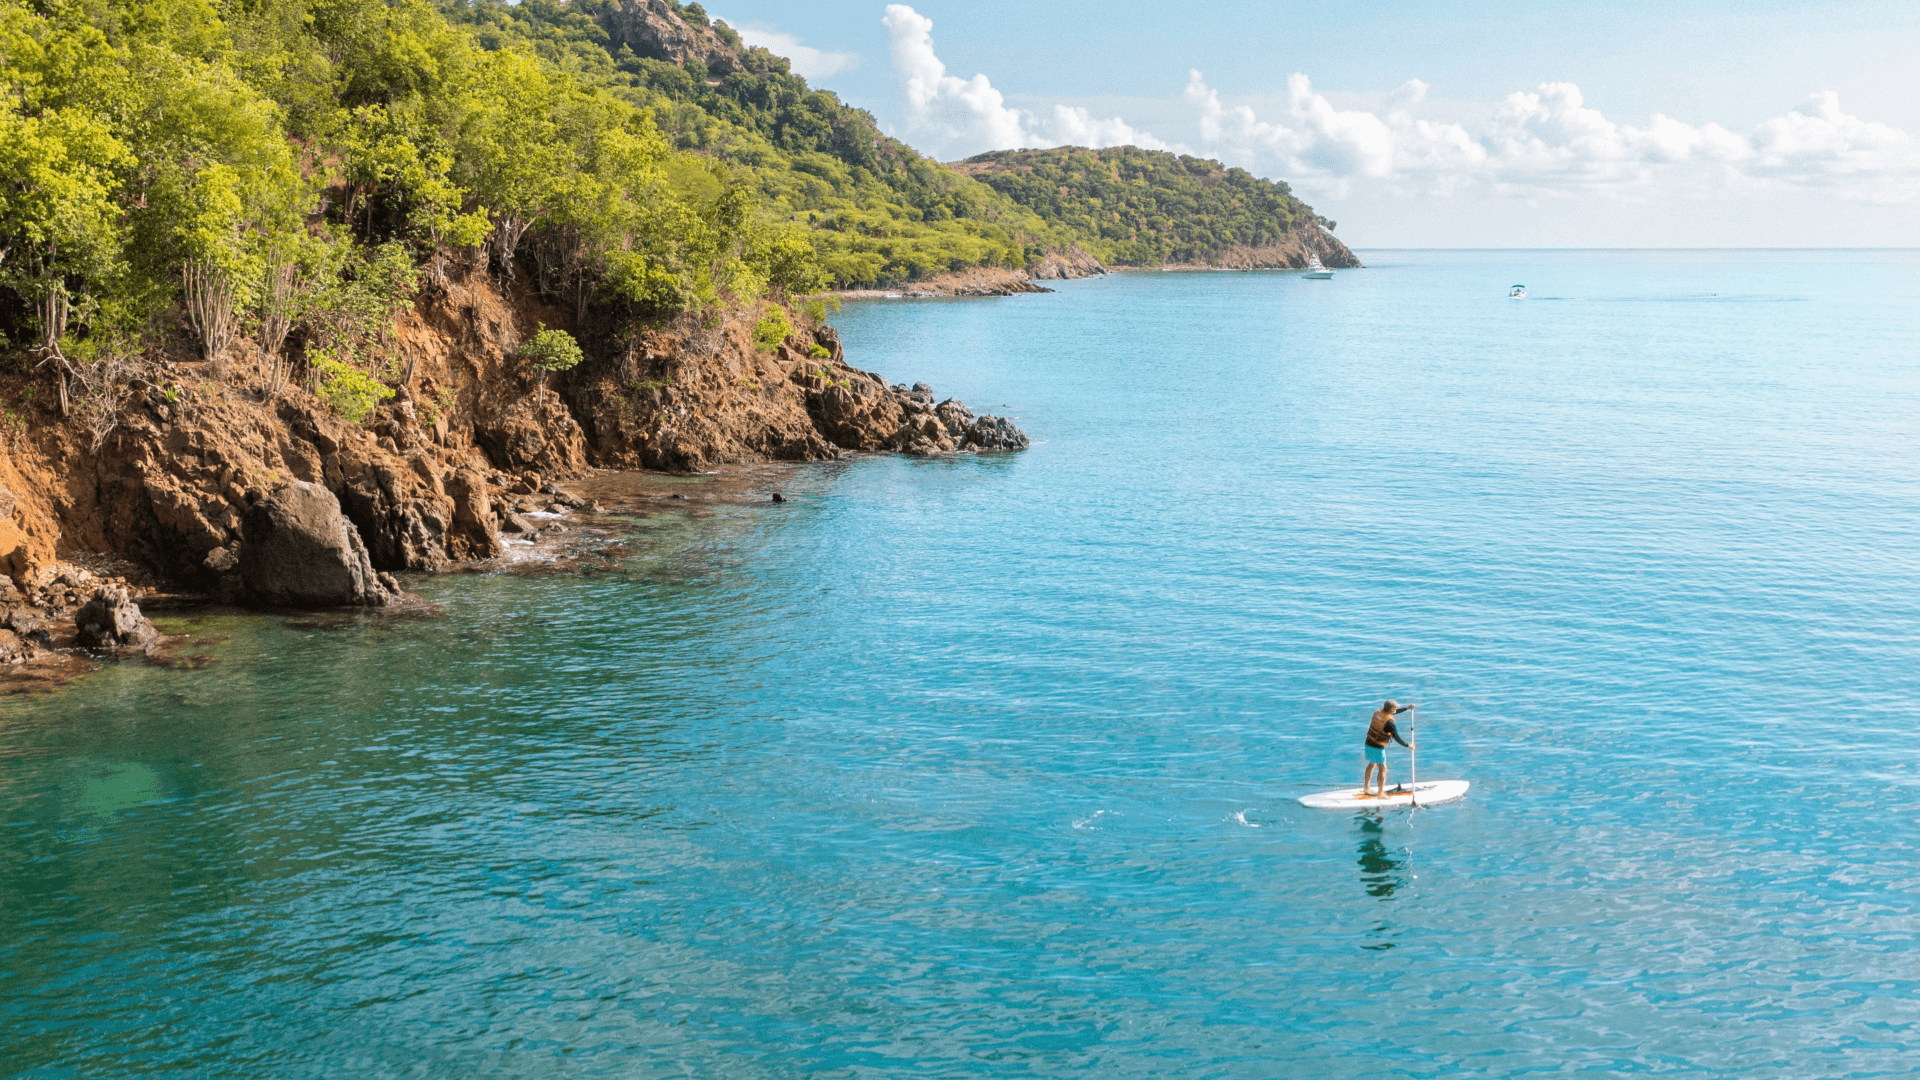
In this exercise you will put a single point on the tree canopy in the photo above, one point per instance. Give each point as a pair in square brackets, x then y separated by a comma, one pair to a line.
[292, 169]
[1134, 207]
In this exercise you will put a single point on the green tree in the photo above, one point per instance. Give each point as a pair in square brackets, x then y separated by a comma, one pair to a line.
[549, 351]
[507, 148]
[60, 167]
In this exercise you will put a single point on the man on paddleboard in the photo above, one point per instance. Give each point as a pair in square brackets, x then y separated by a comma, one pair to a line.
[1380, 729]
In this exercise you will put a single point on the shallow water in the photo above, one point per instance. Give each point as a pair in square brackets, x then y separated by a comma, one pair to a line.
[986, 767]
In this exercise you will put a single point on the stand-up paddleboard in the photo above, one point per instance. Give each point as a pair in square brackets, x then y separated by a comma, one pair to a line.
[1414, 794]
[1431, 791]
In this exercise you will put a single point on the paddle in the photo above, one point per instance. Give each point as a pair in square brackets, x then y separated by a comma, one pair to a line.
[1413, 729]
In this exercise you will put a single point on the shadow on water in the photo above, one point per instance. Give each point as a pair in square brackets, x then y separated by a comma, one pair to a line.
[1380, 872]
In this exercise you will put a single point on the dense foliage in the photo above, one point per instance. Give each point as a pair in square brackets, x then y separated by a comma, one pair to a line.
[880, 213]
[1135, 207]
[289, 172]
[289, 169]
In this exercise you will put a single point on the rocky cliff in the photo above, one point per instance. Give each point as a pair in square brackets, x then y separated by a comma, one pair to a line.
[213, 485]
[660, 30]
[1289, 254]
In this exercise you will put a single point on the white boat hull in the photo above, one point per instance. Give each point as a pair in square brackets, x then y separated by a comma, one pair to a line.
[1423, 793]
[1318, 275]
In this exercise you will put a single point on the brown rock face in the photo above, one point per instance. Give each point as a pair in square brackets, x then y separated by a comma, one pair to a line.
[859, 411]
[23, 634]
[1065, 265]
[529, 435]
[1291, 253]
[181, 485]
[111, 620]
[653, 29]
[476, 532]
[301, 551]
[973, 281]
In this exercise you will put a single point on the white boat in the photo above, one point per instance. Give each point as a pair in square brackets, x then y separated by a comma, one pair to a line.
[1518, 292]
[1316, 269]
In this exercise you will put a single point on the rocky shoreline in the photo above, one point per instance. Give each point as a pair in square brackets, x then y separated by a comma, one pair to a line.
[212, 489]
[990, 280]
[1291, 254]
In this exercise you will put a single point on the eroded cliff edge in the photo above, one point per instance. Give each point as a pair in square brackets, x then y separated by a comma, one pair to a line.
[215, 485]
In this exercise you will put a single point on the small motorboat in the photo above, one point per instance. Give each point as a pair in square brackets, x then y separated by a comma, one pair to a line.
[1316, 269]
[1518, 292]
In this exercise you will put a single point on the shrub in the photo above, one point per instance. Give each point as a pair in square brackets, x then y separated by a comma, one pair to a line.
[772, 329]
[346, 389]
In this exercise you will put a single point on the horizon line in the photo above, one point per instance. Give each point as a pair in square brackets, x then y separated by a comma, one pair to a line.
[1406, 247]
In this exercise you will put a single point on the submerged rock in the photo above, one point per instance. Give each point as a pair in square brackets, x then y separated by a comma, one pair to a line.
[111, 620]
[301, 551]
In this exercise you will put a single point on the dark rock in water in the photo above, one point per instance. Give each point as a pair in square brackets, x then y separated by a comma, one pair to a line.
[777, 497]
[301, 551]
[861, 412]
[955, 417]
[995, 433]
[111, 620]
[511, 522]
[679, 496]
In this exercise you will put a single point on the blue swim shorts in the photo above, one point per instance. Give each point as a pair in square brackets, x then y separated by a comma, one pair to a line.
[1377, 755]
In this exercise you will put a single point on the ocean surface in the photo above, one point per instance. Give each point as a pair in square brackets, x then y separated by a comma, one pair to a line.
[987, 767]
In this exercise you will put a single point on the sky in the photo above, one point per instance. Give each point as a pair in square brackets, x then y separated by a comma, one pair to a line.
[1476, 124]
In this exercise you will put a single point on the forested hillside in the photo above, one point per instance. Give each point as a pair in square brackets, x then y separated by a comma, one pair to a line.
[347, 281]
[298, 164]
[880, 213]
[1134, 207]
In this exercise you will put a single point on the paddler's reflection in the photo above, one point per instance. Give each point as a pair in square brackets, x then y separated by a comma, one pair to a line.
[1379, 870]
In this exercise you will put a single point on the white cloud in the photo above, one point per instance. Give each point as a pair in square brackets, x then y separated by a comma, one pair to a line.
[1540, 142]
[1817, 145]
[1074, 126]
[953, 117]
[947, 109]
[808, 62]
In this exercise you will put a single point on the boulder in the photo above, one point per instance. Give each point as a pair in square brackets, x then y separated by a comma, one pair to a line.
[476, 528]
[994, 433]
[111, 620]
[301, 551]
[854, 411]
[14, 649]
[20, 619]
[956, 417]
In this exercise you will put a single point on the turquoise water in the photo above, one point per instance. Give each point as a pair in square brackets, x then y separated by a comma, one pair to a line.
[987, 767]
